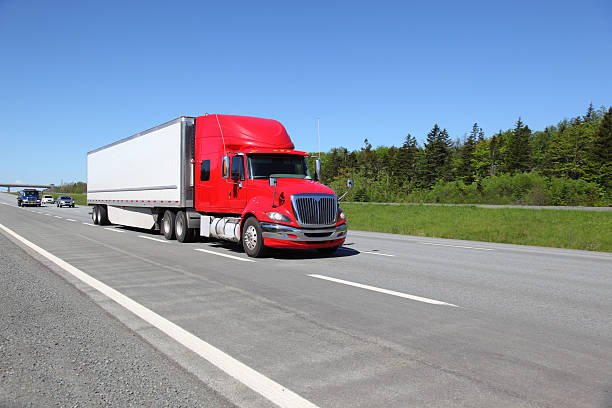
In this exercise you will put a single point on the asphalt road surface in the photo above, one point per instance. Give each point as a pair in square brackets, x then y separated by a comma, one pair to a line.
[389, 321]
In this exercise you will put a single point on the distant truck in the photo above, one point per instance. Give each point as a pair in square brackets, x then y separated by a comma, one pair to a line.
[234, 178]
[28, 197]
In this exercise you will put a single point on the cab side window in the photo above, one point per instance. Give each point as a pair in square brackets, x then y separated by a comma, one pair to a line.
[237, 168]
[205, 170]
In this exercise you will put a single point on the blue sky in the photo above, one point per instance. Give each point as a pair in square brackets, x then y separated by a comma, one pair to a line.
[77, 75]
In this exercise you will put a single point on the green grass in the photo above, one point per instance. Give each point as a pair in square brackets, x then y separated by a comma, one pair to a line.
[588, 230]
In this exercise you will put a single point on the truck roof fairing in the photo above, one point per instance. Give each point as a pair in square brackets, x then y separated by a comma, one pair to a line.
[241, 133]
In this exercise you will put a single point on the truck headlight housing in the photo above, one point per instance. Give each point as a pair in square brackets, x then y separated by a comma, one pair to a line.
[277, 217]
[341, 215]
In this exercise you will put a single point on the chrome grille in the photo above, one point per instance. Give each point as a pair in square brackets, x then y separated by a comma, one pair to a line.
[315, 209]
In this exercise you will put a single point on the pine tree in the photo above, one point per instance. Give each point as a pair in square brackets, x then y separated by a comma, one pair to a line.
[466, 165]
[601, 152]
[590, 113]
[494, 148]
[437, 155]
[518, 159]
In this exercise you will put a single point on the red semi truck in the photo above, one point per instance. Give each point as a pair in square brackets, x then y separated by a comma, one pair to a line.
[235, 178]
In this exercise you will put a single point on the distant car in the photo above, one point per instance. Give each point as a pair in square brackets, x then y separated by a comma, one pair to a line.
[48, 199]
[28, 197]
[65, 201]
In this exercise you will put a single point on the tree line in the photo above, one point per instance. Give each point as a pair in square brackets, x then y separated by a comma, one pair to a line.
[569, 163]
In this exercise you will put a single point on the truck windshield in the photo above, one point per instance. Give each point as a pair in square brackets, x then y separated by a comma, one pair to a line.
[264, 165]
[30, 193]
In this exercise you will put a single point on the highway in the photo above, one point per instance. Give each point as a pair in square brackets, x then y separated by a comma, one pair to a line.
[388, 321]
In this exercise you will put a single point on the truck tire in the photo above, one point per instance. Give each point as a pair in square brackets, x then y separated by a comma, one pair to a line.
[95, 215]
[182, 231]
[103, 215]
[167, 225]
[252, 238]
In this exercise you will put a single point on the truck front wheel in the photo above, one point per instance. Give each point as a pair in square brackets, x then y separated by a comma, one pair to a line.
[252, 238]
[183, 233]
[168, 224]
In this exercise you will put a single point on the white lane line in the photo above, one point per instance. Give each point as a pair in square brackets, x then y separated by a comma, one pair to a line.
[225, 255]
[57, 216]
[266, 387]
[458, 246]
[376, 253]
[88, 223]
[114, 230]
[155, 239]
[70, 219]
[385, 291]
[48, 214]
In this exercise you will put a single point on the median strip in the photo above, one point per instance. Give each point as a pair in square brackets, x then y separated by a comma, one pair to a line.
[266, 387]
[225, 255]
[385, 291]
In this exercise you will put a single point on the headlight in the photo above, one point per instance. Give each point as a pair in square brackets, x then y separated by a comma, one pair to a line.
[341, 215]
[278, 217]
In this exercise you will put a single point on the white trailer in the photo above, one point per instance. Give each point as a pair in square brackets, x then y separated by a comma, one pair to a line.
[132, 180]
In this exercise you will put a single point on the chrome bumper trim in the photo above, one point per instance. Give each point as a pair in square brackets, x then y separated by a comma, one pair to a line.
[278, 231]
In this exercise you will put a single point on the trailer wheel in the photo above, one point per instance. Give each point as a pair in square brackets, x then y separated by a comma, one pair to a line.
[103, 215]
[183, 232]
[95, 215]
[252, 238]
[168, 223]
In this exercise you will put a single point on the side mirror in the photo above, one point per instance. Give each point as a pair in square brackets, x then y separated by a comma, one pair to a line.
[318, 169]
[272, 181]
[349, 184]
[225, 167]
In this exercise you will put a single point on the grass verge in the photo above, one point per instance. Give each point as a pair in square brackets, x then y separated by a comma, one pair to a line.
[586, 230]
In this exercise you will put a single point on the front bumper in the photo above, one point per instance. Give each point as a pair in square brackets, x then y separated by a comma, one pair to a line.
[278, 235]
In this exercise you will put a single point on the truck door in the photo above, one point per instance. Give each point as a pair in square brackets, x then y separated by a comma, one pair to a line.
[238, 191]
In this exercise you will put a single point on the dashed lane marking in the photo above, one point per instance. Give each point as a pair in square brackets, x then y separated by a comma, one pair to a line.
[458, 246]
[154, 239]
[385, 291]
[224, 255]
[375, 253]
[114, 230]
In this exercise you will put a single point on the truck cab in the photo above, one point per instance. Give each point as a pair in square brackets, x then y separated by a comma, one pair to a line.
[248, 173]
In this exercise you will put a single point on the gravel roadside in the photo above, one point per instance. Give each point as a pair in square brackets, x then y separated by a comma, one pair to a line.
[58, 348]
